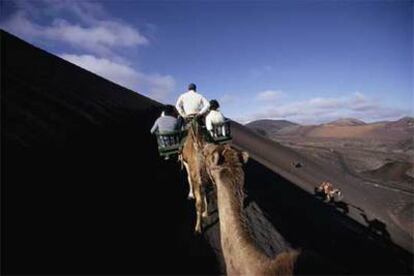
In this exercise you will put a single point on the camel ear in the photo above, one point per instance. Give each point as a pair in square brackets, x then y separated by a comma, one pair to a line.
[244, 156]
[216, 158]
[227, 146]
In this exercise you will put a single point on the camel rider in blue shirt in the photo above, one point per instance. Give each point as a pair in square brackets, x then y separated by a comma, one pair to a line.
[166, 123]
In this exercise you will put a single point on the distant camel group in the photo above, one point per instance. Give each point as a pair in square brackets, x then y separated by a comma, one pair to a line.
[221, 166]
[328, 190]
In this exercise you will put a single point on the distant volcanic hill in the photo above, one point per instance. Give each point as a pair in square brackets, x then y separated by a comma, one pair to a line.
[85, 192]
[269, 127]
[346, 122]
[348, 128]
[403, 123]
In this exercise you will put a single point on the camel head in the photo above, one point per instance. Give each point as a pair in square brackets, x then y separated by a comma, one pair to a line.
[224, 156]
[223, 161]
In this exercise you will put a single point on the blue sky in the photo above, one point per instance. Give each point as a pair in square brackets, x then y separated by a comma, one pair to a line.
[304, 61]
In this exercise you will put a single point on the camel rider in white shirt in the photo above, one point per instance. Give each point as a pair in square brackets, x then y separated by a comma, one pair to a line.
[192, 104]
[215, 118]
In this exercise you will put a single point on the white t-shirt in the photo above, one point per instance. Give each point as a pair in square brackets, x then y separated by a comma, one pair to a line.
[191, 103]
[214, 117]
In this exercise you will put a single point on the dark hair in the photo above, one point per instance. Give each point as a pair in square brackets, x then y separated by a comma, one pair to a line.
[192, 86]
[214, 105]
[169, 110]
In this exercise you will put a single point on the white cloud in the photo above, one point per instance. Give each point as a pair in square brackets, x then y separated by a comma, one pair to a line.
[90, 32]
[106, 34]
[88, 28]
[269, 95]
[319, 109]
[227, 99]
[155, 86]
[359, 102]
[324, 103]
[84, 11]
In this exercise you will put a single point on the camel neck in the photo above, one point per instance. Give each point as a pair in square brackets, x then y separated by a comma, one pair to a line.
[238, 246]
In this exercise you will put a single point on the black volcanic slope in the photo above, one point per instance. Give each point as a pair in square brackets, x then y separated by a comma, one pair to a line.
[84, 191]
[83, 188]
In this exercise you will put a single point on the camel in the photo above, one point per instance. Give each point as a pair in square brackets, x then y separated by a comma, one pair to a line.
[193, 161]
[241, 255]
[329, 191]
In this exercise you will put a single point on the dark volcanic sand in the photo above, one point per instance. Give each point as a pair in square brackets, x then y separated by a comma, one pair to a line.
[84, 191]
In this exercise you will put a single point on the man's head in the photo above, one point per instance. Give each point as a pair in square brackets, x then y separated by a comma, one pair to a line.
[169, 110]
[192, 86]
[214, 105]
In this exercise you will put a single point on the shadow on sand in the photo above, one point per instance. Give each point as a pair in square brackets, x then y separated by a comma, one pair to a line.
[375, 226]
[104, 204]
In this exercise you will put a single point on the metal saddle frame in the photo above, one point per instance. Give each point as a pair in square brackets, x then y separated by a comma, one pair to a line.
[171, 143]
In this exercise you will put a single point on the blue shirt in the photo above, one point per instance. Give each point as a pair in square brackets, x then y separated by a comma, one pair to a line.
[165, 124]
